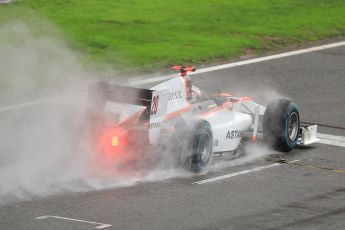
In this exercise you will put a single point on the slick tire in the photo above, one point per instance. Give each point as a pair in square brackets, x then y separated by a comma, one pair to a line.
[202, 144]
[281, 125]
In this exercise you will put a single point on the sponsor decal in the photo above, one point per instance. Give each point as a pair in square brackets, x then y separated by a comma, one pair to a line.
[228, 154]
[235, 134]
[155, 125]
[175, 95]
[154, 104]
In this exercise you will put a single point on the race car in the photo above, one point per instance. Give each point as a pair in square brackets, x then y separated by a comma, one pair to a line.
[175, 116]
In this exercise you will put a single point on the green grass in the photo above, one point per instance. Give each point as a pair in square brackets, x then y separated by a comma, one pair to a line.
[131, 33]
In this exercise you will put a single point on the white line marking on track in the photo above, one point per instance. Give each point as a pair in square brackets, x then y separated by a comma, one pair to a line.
[100, 225]
[137, 81]
[32, 103]
[328, 139]
[241, 172]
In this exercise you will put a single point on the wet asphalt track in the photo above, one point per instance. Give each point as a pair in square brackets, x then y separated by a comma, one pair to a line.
[308, 194]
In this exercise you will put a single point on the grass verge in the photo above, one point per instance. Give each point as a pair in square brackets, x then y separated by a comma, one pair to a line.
[131, 33]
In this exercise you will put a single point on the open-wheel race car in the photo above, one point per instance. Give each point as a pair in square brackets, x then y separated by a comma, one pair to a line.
[192, 126]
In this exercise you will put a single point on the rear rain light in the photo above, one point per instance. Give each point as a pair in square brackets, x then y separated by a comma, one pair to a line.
[111, 141]
[114, 141]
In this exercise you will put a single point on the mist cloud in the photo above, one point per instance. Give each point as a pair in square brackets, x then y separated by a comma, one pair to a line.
[42, 148]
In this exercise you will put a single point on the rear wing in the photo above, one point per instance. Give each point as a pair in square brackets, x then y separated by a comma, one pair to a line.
[155, 102]
[104, 91]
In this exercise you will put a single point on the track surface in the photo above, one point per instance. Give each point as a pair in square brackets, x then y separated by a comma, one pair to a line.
[308, 194]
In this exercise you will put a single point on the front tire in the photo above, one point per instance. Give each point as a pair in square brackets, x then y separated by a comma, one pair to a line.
[281, 125]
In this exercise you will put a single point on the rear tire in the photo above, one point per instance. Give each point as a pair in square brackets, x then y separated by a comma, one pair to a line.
[202, 148]
[281, 125]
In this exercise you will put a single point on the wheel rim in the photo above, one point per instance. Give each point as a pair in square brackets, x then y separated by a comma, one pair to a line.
[293, 126]
[205, 148]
